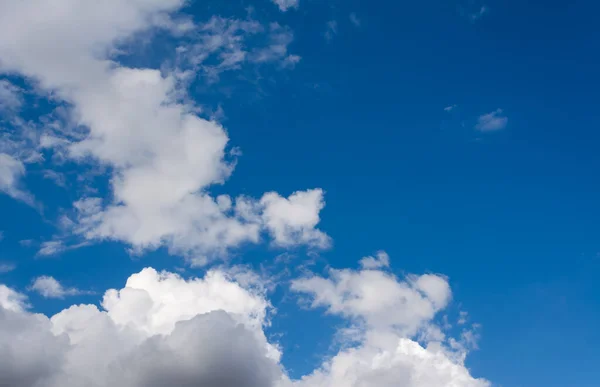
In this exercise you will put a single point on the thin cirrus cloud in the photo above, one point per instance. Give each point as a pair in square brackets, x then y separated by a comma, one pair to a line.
[331, 30]
[6, 267]
[492, 121]
[354, 19]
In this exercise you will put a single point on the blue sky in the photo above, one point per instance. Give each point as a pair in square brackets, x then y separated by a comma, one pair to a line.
[458, 137]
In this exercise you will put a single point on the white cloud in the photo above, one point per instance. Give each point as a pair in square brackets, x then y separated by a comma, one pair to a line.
[462, 318]
[284, 5]
[450, 108]
[474, 16]
[158, 330]
[378, 299]
[221, 45]
[11, 172]
[491, 122]
[380, 260]
[161, 329]
[354, 19]
[10, 97]
[331, 30]
[6, 267]
[58, 178]
[389, 361]
[386, 314]
[138, 121]
[51, 248]
[12, 300]
[277, 49]
[49, 287]
[292, 221]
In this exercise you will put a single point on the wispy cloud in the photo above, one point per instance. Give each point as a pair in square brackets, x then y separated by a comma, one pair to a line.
[6, 267]
[491, 122]
[49, 287]
[11, 172]
[10, 97]
[450, 108]
[57, 246]
[354, 19]
[474, 16]
[331, 31]
[284, 5]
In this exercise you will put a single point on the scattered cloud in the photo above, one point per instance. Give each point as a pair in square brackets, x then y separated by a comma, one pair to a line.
[48, 287]
[162, 329]
[11, 172]
[57, 177]
[50, 248]
[10, 97]
[354, 19]
[378, 299]
[159, 329]
[450, 108]
[474, 16]
[292, 221]
[140, 124]
[380, 260]
[462, 317]
[6, 267]
[11, 300]
[26, 242]
[491, 122]
[284, 5]
[331, 30]
[277, 48]
[385, 314]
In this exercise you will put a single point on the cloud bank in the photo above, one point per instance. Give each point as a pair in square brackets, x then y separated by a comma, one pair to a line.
[161, 329]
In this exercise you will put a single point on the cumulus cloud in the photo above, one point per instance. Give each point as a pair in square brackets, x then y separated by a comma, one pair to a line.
[49, 287]
[284, 5]
[161, 329]
[138, 121]
[292, 221]
[12, 300]
[11, 172]
[387, 314]
[158, 330]
[492, 122]
[377, 298]
[380, 260]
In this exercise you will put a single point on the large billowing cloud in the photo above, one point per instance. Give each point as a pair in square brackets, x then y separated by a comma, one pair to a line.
[140, 123]
[161, 329]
